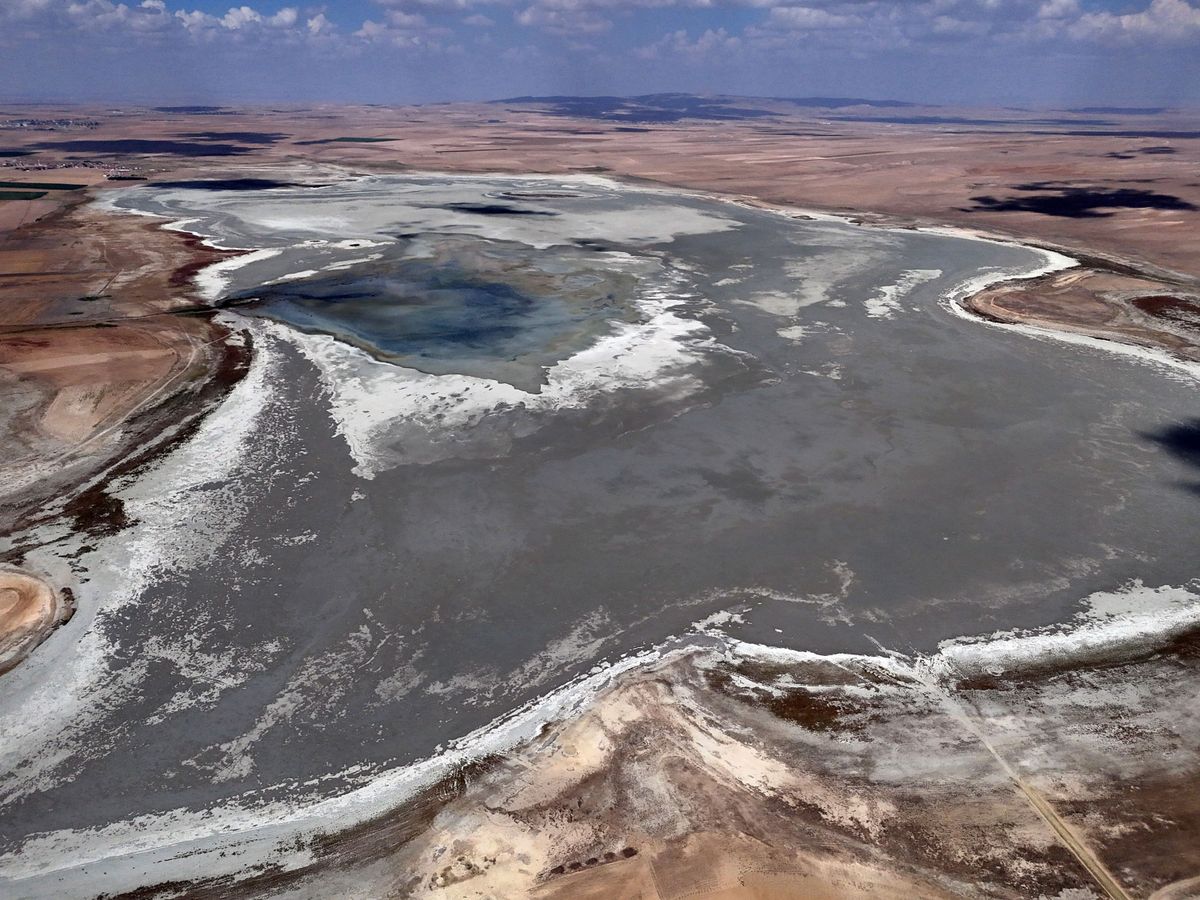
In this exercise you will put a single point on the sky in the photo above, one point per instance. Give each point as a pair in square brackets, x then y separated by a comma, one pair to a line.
[1040, 53]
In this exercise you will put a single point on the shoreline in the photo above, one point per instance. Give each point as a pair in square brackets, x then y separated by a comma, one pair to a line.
[209, 279]
[1124, 627]
[961, 299]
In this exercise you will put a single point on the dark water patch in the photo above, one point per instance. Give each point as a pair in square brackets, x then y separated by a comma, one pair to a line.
[22, 195]
[1072, 202]
[445, 315]
[230, 184]
[241, 137]
[440, 317]
[126, 177]
[12, 154]
[494, 209]
[169, 148]
[630, 129]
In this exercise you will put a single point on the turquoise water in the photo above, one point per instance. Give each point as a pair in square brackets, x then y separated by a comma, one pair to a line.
[440, 317]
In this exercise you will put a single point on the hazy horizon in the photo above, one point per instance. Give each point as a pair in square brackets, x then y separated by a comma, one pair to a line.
[1042, 53]
[883, 103]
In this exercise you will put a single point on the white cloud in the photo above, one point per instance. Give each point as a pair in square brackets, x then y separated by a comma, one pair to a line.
[403, 29]
[240, 17]
[371, 30]
[94, 15]
[563, 17]
[1058, 9]
[949, 26]
[679, 43]
[319, 25]
[24, 9]
[285, 18]
[196, 20]
[806, 18]
[445, 6]
[1162, 20]
[399, 19]
[852, 26]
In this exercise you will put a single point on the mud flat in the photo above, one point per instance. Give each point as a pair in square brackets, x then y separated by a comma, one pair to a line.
[534, 634]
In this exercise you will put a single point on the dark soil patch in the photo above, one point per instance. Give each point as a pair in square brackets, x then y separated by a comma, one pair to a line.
[133, 146]
[1078, 202]
[241, 137]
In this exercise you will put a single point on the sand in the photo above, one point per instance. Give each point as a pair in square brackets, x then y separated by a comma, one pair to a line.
[30, 609]
[763, 776]
[1100, 304]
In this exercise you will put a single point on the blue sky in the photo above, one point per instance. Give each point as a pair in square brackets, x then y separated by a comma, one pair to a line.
[1033, 52]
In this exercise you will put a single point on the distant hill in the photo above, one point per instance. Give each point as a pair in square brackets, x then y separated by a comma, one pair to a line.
[843, 102]
[1120, 110]
[665, 108]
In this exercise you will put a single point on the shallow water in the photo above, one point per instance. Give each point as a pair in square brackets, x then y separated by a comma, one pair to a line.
[496, 310]
[355, 562]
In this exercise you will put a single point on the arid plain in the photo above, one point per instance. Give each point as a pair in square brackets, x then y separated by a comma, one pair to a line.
[702, 774]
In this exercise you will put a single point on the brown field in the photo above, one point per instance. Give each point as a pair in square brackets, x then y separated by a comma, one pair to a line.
[29, 610]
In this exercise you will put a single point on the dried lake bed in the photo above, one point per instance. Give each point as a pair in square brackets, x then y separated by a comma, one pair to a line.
[504, 438]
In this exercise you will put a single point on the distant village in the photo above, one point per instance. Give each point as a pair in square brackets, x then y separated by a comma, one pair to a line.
[46, 124]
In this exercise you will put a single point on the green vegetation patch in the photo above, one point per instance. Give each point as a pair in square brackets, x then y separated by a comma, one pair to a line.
[22, 195]
[42, 185]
